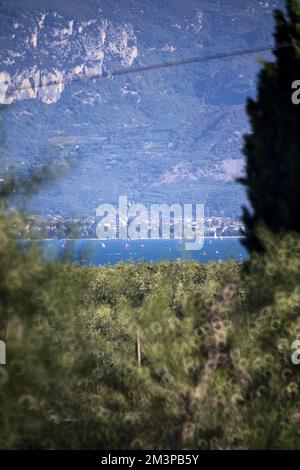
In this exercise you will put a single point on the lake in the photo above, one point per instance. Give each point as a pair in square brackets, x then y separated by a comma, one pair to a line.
[94, 252]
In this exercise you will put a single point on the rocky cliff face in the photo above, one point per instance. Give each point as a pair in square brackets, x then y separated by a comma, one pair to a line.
[45, 51]
[171, 135]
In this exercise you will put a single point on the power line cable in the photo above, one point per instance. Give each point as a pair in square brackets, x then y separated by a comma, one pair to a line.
[150, 67]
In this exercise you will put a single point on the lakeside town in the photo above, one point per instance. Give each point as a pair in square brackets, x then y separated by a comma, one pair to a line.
[59, 227]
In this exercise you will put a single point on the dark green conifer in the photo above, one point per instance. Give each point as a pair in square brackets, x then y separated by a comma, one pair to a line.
[272, 149]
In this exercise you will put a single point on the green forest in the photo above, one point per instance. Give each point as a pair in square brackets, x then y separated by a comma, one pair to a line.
[174, 355]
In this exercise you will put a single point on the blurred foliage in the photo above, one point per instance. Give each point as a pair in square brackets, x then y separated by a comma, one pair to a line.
[215, 342]
[215, 370]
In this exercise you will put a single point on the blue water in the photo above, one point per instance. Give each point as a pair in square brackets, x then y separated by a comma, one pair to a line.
[97, 252]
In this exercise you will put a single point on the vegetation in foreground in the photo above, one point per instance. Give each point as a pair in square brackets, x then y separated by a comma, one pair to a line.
[173, 355]
[272, 147]
[215, 369]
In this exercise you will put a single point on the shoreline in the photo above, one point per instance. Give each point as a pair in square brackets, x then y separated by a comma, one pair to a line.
[130, 239]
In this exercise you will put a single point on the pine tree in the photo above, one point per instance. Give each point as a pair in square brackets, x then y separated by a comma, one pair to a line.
[272, 149]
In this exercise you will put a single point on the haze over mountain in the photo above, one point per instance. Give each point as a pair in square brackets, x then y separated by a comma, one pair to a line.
[168, 135]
